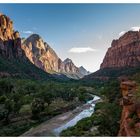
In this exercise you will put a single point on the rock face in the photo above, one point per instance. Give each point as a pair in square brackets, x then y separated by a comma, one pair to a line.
[10, 41]
[71, 70]
[69, 66]
[44, 57]
[124, 52]
[129, 124]
[83, 71]
[41, 54]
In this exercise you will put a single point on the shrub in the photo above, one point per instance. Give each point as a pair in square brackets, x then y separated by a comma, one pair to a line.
[37, 107]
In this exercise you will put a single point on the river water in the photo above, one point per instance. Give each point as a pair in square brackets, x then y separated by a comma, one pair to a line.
[84, 114]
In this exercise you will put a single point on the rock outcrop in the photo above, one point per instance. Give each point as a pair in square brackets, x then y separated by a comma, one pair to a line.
[124, 52]
[10, 41]
[130, 118]
[44, 57]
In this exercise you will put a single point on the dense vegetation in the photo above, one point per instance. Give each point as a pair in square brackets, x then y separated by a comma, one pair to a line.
[26, 103]
[105, 120]
[114, 72]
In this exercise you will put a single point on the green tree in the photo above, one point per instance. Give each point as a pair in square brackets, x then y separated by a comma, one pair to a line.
[9, 106]
[37, 107]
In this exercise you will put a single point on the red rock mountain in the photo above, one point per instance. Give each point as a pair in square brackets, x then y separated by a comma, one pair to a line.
[10, 41]
[44, 57]
[124, 52]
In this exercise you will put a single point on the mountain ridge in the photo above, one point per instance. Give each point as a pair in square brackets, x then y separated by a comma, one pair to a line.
[33, 49]
[44, 57]
[13, 61]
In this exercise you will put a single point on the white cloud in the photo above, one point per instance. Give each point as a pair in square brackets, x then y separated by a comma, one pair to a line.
[135, 28]
[82, 50]
[27, 32]
[122, 33]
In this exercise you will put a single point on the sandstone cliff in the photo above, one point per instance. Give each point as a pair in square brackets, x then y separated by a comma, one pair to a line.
[10, 41]
[124, 52]
[41, 54]
[130, 118]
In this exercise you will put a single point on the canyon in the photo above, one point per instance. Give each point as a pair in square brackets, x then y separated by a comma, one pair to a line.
[33, 57]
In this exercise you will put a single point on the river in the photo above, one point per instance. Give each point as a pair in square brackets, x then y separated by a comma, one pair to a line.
[84, 114]
[56, 125]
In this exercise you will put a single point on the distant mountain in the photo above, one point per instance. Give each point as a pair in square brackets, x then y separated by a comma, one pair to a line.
[83, 71]
[71, 70]
[45, 58]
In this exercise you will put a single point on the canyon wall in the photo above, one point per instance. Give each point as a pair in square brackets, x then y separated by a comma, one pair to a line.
[124, 52]
[130, 118]
[10, 41]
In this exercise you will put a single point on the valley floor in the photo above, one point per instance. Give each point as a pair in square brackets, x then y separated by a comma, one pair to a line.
[47, 128]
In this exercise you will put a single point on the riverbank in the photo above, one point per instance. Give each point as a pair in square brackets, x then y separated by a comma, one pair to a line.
[55, 125]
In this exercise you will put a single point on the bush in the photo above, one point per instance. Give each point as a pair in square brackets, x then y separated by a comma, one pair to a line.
[37, 107]
[2, 99]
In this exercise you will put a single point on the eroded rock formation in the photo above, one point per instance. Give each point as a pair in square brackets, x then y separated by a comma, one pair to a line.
[130, 118]
[10, 41]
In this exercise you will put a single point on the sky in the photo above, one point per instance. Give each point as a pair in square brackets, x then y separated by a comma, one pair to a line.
[81, 32]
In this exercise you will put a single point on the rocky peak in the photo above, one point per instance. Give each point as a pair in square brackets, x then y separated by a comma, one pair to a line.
[35, 42]
[69, 66]
[41, 54]
[67, 60]
[124, 52]
[10, 42]
[83, 71]
[6, 28]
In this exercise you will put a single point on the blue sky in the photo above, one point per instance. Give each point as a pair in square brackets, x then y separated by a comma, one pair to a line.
[82, 32]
